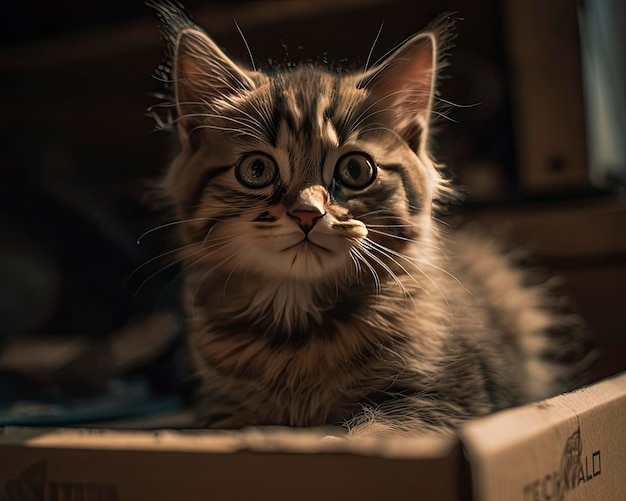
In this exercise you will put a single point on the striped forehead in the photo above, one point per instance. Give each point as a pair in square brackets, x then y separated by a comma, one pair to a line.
[304, 109]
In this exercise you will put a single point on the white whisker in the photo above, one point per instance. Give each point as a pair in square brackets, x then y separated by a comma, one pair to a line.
[369, 56]
[208, 272]
[156, 258]
[170, 224]
[166, 267]
[375, 276]
[367, 251]
[246, 44]
[216, 244]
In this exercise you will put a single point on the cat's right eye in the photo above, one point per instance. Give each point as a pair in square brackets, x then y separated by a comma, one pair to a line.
[256, 170]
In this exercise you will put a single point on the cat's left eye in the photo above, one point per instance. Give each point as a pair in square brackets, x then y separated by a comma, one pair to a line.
[256, 170]
[355, 170]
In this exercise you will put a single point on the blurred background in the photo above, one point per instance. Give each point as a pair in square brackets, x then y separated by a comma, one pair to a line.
[533, 128]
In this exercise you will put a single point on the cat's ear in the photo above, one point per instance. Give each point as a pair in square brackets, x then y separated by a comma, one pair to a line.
[404, 84]
[203, 74]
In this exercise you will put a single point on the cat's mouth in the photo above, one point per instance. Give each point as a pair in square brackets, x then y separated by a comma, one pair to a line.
[305, 245]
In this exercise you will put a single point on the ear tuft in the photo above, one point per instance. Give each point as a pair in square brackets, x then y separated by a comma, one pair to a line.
[404, 83]
[204, 75]
[198, 72]
[204, 68]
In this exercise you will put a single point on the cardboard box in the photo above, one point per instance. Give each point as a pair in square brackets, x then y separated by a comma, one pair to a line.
[570, 447]
[274, 464]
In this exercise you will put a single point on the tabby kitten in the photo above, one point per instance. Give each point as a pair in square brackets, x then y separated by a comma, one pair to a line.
[319, 287]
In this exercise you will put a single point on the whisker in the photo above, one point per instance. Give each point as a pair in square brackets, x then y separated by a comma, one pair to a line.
[383, 265]
[168, 225]
[418, 268]
[417, 264]
[444, 115]
[379, 211]
[456, 105]
[371, 269]
[384, 251]
[442, 270]
[240, 132]
[442, 222]
[389, 226]
[373, 229]
[261, 128]
[156, 258]
[246, 44]
[218, 243]
[247, 121]
[369, 56]
[355, 261]
[166, 267]
[406, 239]
[206, 274]
[366, 116]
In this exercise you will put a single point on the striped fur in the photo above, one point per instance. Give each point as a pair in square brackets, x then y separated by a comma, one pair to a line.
[319, 288]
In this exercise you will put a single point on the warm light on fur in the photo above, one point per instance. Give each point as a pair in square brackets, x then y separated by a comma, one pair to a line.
[319, 287]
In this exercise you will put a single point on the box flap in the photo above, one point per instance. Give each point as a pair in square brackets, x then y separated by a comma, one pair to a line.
[272, 463]
[570, 447]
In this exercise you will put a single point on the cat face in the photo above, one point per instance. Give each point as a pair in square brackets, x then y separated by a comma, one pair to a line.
[306, 174]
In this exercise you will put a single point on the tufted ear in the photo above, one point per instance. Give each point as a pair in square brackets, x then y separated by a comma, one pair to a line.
[203, 74]
[404, 84]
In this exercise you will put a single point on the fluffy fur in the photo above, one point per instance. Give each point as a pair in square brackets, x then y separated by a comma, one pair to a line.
[319, 287]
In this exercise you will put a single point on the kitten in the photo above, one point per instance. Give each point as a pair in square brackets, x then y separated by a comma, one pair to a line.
[319, 286]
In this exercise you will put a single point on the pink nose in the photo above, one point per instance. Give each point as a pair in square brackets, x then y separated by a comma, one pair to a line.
[306, 218]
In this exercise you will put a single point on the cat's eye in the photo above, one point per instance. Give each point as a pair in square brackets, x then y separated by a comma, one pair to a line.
[355, 170]
[256, 170]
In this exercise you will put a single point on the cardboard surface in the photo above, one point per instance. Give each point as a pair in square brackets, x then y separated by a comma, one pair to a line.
[571, 447]
[272, 464]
